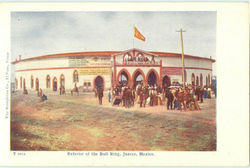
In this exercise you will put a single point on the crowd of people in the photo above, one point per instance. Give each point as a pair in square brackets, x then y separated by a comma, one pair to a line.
[174, 97]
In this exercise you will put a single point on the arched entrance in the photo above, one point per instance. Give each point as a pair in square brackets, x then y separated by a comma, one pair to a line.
[201, 80]
[62, 81]
[123, 78]
[152, 79]
[206, 81]
[48, 81]
[193, 79]
[37, 84]
[99, 82]
[138, 77]
[197, 81]
[166, 82]
[54, 84]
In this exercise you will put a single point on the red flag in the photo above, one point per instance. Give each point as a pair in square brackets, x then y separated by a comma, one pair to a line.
[138, 35]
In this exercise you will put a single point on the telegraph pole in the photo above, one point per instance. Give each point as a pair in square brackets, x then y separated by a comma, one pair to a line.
[182, 58]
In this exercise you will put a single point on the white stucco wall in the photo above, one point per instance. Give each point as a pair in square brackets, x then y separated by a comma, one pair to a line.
[42, 63]
[48, 67]
[197, 72]
[189, 62]
[68, 74]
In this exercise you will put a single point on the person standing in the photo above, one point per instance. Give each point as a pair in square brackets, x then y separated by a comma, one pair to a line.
[100, 95]
[205, 92]
[41, 92]
[209, 92]
[109, 95]
[60, 90]
[141, 97]
[170, 98]
[132, 97]
[155, 97]
[151, 94]
[126, 97]
[197, 93]
[201, 94]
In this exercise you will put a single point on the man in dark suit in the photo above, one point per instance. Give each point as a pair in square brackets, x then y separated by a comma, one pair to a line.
[100, 95]
[170, 98]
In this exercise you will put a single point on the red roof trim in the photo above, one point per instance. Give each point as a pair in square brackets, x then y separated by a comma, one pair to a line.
[108, 54]
[165, 54]
[56, 68]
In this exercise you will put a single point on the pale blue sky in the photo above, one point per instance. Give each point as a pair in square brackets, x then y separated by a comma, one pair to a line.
[40, 33]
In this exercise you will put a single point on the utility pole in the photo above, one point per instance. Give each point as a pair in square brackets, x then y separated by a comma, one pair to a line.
[182, 58]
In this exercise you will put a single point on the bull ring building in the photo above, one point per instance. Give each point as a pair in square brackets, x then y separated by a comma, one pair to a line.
[89, 70]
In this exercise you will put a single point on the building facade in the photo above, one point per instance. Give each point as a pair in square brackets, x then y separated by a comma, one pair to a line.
[109, 68]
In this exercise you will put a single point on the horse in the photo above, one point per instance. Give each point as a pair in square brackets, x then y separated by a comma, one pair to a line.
[75, 90]
[186, 99]
[180, 99]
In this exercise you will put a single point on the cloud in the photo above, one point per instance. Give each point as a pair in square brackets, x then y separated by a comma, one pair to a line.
[40, 33]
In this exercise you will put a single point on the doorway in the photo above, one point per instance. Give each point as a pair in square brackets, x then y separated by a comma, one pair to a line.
[99, 82]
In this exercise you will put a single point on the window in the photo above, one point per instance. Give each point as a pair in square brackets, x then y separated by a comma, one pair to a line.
[31, 81]
[48, 81]
[209, 80]
[75, 76]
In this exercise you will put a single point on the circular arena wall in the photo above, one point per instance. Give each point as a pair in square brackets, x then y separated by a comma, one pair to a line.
[49, 72]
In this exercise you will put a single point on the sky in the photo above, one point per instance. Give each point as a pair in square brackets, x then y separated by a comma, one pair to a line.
[41, 33]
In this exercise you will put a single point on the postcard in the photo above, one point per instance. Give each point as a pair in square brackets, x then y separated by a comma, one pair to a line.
[125, 84]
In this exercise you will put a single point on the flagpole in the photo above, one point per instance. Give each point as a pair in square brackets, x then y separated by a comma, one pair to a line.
[133, 37]
[182, 59]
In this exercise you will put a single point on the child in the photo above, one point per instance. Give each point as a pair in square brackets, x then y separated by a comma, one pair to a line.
[109, 95]
[176, 105]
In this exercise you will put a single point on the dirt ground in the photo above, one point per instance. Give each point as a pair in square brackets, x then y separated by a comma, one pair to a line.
[68, 122]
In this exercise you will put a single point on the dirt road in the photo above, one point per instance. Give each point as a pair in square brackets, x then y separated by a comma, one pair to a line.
[80, 123]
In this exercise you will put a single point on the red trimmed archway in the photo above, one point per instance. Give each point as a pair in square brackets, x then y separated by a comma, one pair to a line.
[209, 80]
[47, 81]
[99, 80]
[138, 70]
[54, 84]
[62, 81]
[156, 74]
[128, 74]
[166, 81]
